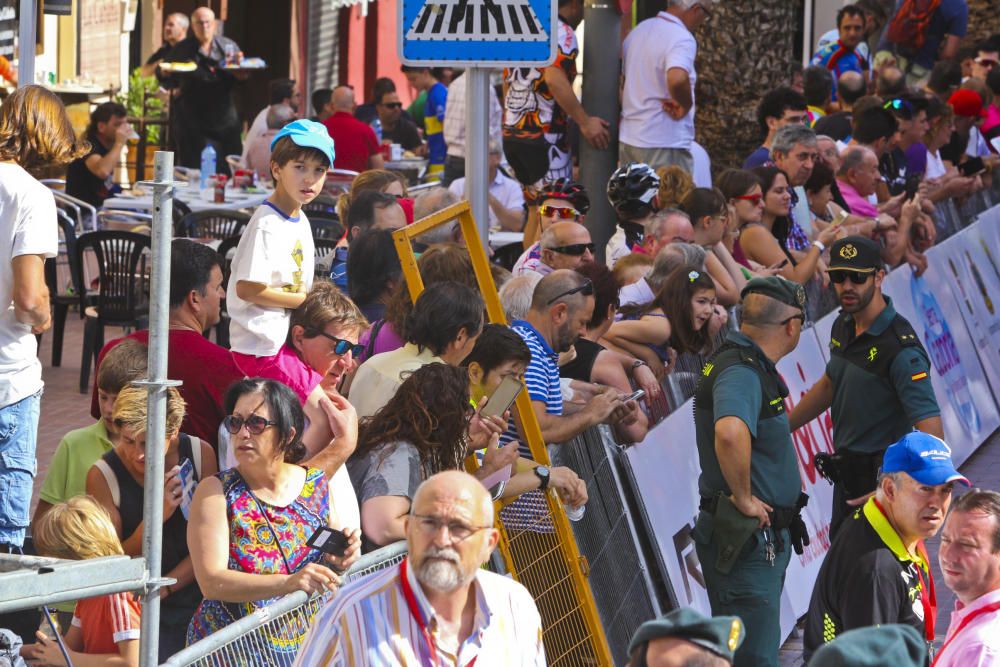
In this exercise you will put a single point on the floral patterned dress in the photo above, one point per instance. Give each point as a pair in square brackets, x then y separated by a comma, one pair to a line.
[253, 549]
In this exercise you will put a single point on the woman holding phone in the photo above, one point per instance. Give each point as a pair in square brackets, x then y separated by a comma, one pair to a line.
[250, 524]
[117, 482]
[420, 431]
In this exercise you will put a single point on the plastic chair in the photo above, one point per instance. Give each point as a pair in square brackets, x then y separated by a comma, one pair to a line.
[507, 255]
[213, 223]
[326, 228]
[222, 328]
[121, 296]
[180, 209]
[61, 299]
[323, 206]
[324, 251]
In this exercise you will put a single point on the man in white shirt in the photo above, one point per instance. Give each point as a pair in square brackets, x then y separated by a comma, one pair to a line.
[454, 128]
[443, 607]
[506, 196]
[970, 562]
[657, 122]
[280, 91]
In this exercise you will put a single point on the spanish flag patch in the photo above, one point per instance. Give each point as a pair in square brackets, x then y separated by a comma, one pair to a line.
[918, 376]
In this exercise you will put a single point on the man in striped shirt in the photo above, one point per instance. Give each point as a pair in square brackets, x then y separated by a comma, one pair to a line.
[437, 607]
[561, 307]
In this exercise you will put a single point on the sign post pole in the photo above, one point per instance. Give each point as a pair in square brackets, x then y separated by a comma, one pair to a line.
[26, 31]
[477, 148]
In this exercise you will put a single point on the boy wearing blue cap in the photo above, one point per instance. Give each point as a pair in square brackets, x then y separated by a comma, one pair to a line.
[877, 570]
[273, 266]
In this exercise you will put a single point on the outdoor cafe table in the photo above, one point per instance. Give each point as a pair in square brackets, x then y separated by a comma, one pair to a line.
[194, 200]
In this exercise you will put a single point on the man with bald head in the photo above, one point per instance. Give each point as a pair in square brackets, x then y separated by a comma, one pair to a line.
[356, 143]
[564, 245]
[749, 484]
[438, 606]
[204, 112]
[561, 306]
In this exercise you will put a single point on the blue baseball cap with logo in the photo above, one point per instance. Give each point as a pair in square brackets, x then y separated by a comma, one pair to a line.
[308, 134]
[923, 457]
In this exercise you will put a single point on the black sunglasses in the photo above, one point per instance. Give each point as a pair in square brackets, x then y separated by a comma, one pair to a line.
[575, 249]
[255, 424]
[392, 105]
[856, 277]
[342, 346]
[586, 289]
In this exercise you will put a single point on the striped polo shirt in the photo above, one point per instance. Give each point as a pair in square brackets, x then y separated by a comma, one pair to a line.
[541, 378]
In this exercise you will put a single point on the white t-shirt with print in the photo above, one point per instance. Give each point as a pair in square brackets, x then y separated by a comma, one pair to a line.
[656, 45]
[276, 251]
[28, 227]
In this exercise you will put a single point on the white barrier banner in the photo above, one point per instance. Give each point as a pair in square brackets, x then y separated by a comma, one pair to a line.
[975, 285]
[666, 469]
[967, 407]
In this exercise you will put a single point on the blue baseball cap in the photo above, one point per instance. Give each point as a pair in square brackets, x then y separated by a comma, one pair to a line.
[308, 134]
[923, 457]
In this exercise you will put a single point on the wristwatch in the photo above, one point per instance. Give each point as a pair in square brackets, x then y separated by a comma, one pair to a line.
[542, 472]
[637, 363]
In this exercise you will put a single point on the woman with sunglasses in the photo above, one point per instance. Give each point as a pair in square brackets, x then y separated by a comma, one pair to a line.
[766, 242]
[249, 525]
[743, 192]
[419, 432]
[678, 318]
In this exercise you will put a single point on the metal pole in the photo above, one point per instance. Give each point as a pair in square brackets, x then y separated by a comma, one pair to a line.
[477, 136]
[602, 38]
[26, 31]
[156, 408]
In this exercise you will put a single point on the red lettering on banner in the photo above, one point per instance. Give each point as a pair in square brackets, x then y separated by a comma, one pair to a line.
[807, 445]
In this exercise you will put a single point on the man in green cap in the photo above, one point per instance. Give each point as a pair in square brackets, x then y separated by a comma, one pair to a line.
[877, 381]
[749, 484]
[684, 637]
[897, 645]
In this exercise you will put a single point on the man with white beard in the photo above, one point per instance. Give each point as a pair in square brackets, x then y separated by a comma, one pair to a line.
[438, 606]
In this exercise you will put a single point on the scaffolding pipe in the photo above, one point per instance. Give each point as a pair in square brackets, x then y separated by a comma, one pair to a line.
[156, 406]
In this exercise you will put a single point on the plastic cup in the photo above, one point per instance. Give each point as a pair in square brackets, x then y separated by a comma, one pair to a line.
[575, 513]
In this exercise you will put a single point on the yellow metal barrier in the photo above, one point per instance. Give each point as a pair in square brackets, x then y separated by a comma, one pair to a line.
[538, 546]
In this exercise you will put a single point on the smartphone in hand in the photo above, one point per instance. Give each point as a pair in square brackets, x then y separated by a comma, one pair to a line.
[329, 541]
[502, 397]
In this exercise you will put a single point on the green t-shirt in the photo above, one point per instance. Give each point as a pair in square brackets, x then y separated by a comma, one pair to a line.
[774, 470]
[78, 450]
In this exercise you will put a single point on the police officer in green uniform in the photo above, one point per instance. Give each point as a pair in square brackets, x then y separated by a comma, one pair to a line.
[749, 484]
[685, 637]
[877, 381]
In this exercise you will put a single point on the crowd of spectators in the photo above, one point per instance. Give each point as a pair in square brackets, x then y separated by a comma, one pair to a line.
[343, 402]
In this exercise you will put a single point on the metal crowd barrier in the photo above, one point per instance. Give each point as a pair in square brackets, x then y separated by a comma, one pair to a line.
[271, 636]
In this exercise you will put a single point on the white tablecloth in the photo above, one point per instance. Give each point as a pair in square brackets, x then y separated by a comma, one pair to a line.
[192, 199]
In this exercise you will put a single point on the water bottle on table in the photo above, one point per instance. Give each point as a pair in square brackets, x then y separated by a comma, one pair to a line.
[207, 165]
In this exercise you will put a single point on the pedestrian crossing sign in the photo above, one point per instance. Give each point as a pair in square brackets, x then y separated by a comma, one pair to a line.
[490, 33]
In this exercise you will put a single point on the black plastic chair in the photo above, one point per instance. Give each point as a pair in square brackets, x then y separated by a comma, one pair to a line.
[506, 256]
[323, 206]
[213, 223]
[122, 298]
[325, 228]
[222, 328]
[60, 298]
[180, 210]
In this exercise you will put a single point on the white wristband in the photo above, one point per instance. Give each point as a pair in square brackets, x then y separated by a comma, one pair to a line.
[820, 246]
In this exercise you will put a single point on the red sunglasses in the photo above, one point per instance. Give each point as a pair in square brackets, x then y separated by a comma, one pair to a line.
[753, 199]
[558, 212]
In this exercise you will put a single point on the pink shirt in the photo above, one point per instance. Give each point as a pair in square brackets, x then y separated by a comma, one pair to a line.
[978, 645]
[859, 205]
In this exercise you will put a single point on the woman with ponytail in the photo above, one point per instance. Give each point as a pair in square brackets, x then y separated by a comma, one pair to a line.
[249, 525]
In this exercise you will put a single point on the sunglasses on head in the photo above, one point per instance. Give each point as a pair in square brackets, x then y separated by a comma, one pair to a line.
[255, 424]
[393, 105]
[559, 212]
[753, 199]
[341, 346]
[574, 249]
[988, 63]
[856, 277]
[901, 106]
[586, 289]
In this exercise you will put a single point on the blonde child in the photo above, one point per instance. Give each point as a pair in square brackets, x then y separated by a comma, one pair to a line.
[105, 629]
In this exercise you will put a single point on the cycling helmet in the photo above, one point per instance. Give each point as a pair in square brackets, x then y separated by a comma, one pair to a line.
[568, 189]
[632, 190]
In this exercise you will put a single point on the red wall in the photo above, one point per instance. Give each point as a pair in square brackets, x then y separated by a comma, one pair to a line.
[368, 50]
